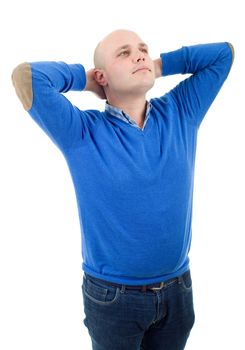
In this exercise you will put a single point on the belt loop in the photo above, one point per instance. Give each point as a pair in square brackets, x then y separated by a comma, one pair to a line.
[123, 288]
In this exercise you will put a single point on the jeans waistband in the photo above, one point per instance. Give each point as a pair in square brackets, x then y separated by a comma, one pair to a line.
[154, 287]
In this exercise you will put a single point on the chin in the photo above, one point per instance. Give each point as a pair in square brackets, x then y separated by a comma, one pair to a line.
[146, 86]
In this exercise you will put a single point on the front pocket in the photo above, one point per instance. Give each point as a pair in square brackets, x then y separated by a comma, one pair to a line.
[186, 281]
[98, 294]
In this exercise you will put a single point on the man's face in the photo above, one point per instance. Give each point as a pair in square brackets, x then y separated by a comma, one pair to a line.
[127, 66]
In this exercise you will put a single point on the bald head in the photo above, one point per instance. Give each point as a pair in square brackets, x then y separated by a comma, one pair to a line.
[110, 43]
[98, 56]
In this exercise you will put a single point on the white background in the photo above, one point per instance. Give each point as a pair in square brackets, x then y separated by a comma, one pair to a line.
[40, 249]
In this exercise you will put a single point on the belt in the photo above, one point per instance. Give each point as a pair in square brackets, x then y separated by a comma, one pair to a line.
[143, 288]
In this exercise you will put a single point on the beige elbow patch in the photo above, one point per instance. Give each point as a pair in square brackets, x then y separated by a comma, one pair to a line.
[232, 51]
[22, 81]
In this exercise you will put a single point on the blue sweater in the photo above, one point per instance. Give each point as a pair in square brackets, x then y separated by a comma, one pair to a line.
[133, 186]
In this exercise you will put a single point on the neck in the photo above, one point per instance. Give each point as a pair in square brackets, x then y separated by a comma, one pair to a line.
[135, 107]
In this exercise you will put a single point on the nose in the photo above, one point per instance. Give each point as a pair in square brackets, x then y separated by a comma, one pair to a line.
[139, 56]
[141, 59]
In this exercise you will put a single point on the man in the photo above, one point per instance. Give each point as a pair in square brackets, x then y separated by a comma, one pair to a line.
[132, 166]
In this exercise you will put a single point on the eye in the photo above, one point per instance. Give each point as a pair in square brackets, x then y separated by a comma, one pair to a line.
[124, 53]
[144, 50]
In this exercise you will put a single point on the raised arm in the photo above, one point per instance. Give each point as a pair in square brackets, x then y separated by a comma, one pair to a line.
[40, 87]
[209, 65]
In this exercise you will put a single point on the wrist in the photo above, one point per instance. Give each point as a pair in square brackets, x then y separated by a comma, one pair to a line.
[89, 80]
[158, 67]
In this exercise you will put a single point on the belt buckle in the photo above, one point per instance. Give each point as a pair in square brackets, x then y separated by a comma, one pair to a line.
[158, 288]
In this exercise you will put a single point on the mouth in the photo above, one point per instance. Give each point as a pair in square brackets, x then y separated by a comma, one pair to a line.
[141, 69]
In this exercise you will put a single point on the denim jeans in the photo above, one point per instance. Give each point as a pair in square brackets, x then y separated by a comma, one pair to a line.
[118, 318]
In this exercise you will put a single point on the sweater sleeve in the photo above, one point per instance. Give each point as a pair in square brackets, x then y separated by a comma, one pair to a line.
[209, 66]
[40, 87]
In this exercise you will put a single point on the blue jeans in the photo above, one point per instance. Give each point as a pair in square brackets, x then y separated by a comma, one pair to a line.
[118, 318]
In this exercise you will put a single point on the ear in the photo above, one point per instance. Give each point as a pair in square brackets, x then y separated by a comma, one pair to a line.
[99, 76]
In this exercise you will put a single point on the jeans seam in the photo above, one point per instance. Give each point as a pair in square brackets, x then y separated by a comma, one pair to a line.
[102, 302]
[184, 287]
